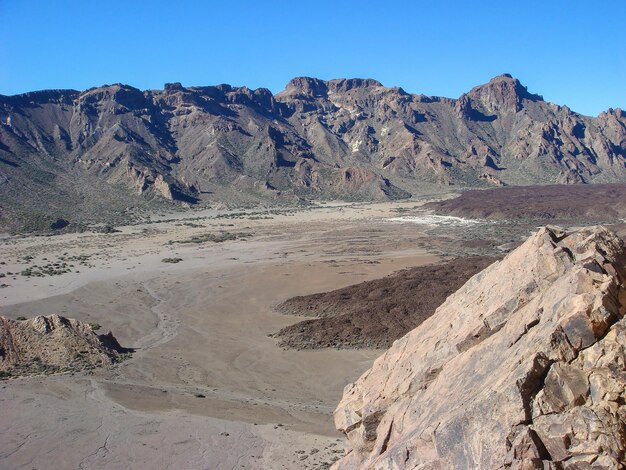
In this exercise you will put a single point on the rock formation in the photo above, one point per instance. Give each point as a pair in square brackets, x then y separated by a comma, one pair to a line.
[372, 314]
[523, 368]
[345, 138]
[46, 344]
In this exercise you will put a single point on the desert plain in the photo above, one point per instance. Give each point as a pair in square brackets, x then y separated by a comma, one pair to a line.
[193, 294]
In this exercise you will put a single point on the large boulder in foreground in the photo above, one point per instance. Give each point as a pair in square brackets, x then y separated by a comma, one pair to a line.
[522, 368]
[47, 344]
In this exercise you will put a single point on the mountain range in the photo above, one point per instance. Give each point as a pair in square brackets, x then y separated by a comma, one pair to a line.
[88, 156]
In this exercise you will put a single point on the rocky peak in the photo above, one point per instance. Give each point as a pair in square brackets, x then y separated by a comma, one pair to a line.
[316, 88]
[305, 87]
[502, 94]
[177, 86]
[521, 368]
[264, 98]
[259, 97]
[120, 94]
[613, 115]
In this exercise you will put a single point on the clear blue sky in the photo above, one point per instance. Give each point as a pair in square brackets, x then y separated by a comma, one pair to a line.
[572, 52]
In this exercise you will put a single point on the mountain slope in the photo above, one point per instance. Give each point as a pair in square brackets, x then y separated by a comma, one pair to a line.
[345, 138]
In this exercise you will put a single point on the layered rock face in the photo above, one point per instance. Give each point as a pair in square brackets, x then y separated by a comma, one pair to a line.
[53, 343]
[347, 138]
[522, 368]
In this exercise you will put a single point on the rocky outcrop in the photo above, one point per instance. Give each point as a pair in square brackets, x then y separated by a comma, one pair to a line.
[502, 94]
[47, 344]
[523, 368]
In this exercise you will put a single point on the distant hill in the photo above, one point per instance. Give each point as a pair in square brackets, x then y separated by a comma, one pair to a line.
[99, 154]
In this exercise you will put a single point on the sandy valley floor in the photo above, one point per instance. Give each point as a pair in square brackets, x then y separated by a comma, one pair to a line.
[207, 387]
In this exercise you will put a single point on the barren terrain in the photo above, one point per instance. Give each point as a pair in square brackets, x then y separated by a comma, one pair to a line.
[374, 314]
[195, 295]
[206, 387]
[596, 202]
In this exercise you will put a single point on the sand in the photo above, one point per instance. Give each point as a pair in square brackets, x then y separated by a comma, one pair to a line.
[206, 387]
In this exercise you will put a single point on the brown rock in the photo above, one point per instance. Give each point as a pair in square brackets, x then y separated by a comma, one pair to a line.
[565, 387]
[541, 385]
[53, 343]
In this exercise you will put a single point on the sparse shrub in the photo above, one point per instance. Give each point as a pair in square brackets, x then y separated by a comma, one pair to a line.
[109, 229]
[59, 224]
[171, 260]
[212, 237]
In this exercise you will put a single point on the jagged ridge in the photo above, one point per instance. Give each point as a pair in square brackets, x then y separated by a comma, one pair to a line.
[348, 138]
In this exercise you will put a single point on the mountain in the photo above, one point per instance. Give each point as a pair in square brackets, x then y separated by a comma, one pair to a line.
[88, 154]
[521, 368]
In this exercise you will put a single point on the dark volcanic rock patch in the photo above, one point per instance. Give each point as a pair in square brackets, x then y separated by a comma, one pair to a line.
[373, 314]
[561, 202]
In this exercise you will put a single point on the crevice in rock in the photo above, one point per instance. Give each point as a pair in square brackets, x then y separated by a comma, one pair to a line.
[527, 328]
[386, 440]
[613, 319]
[474, 340]
[544, 454]
[534, 382]
[557, 234]
[569, 253]
[370, 424]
